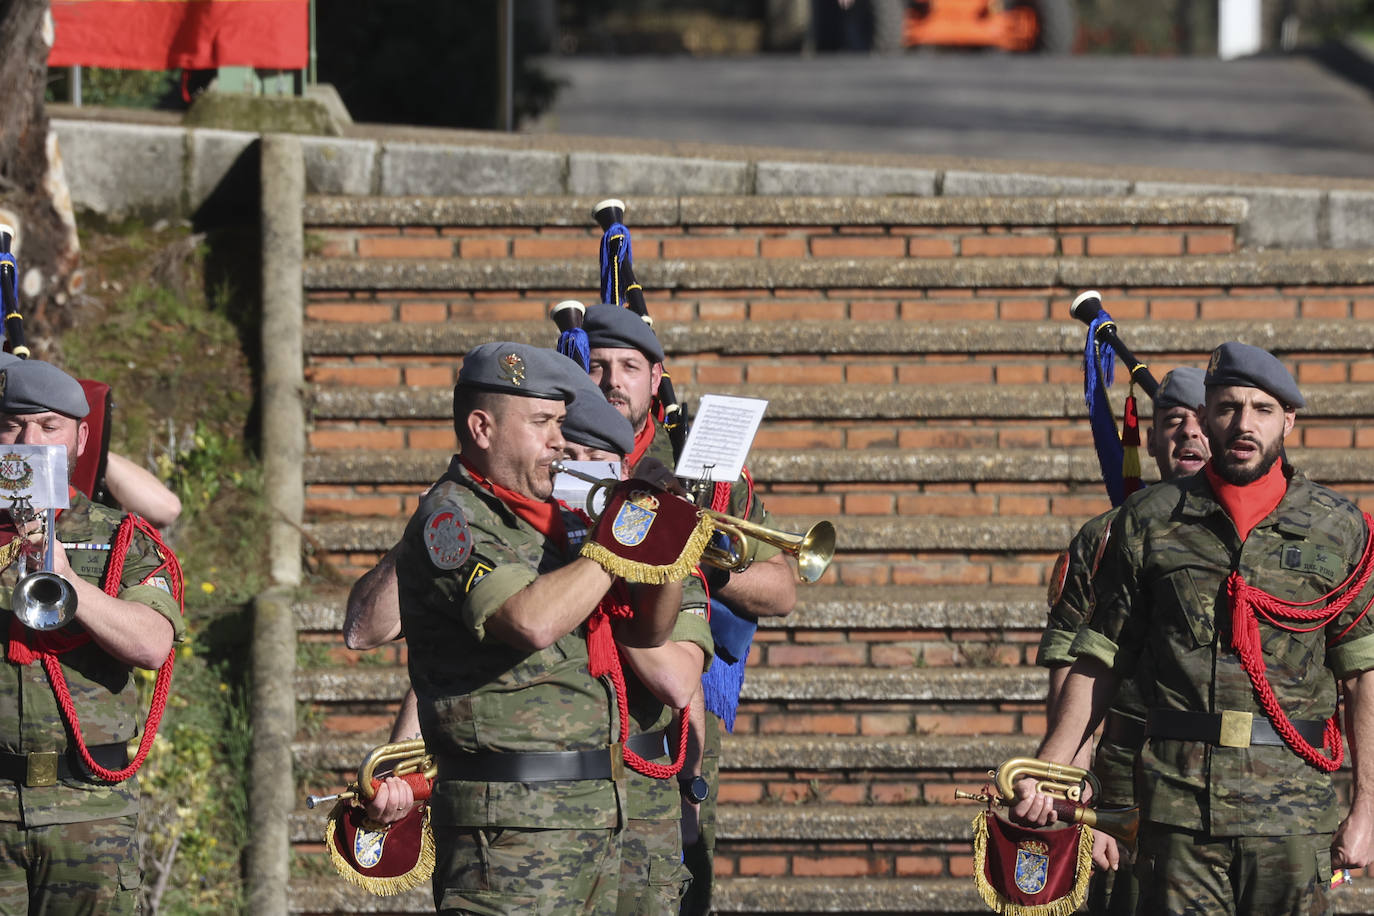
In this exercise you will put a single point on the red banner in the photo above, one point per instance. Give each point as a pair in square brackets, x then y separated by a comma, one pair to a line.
[181, 34]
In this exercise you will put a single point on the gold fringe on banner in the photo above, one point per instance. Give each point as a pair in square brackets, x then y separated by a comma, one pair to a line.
[676, 571]
[1064, 906]
[384, 887]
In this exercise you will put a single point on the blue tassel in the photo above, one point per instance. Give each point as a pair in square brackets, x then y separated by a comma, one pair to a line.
[610, 267]
[1099, 365]
[573, 344]
[723, 681]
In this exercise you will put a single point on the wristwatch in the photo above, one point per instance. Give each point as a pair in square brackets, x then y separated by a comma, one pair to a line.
[695, 789]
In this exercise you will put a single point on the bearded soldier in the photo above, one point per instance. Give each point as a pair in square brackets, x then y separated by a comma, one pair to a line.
[1236, 599]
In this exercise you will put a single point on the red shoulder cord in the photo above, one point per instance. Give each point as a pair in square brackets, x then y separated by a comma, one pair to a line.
[604, 659]
[119, 549]
[1246, 600]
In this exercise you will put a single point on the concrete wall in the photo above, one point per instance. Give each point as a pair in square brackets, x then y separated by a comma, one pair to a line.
[119, 170]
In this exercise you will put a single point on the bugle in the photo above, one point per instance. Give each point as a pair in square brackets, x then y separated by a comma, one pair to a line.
[813, 550]
[43, 600]
[1064, 784]
[412, 764]
[1085, 308]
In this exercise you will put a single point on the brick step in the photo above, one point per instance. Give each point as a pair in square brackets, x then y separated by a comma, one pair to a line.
[823, 466]
[658, 213]
[369, 683]
[837, 895]
[681, 281]
[823, 607]
[894, 549]
[1059, 339]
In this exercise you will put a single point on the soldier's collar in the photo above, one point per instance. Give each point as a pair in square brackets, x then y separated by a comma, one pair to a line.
[1199, 501]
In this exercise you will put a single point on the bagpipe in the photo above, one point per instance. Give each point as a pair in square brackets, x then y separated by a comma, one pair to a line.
[1027, 871]
[383, 859]
[89, 475]
[1117, 455]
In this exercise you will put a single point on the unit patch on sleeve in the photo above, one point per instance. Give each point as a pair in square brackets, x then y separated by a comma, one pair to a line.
[480, 566]
[447, 538]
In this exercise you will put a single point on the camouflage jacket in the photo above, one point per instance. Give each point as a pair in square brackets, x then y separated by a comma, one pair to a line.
[1070, 608]
[1162, 614]
[475, 693]
[103, 690]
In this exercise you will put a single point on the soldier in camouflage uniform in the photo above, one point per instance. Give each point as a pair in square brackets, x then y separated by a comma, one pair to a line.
[627, 362]
[67, 838]
[1177, 444]
[530, 799]
[1238, 809]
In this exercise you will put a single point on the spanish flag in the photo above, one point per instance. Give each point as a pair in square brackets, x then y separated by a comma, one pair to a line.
[181, 34]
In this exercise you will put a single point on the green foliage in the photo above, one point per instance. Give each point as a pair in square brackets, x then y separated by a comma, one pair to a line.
[173, 333]
[117, 88]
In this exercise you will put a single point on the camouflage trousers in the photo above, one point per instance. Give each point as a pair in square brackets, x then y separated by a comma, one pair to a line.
[1114, 893]
[652, 876]
[699, 857]
[87, 867]
[503, 871]
[1185, 873]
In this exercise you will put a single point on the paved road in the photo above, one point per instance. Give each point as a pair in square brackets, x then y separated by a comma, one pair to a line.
[1278, 115]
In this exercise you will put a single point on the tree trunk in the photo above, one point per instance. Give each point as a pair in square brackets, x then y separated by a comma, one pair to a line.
[32, 187]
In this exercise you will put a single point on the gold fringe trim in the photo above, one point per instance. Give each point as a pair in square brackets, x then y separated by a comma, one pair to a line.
[676, 571]
[385, 887]
[1064, 906]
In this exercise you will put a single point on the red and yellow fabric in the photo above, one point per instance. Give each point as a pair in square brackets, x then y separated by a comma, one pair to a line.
[1021, 871]
[181, 34]
[383, 859]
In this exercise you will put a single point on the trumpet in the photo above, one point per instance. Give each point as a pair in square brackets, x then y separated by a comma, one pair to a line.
[1065, 784]
[43, 600]
[813, 550]
[411, 760]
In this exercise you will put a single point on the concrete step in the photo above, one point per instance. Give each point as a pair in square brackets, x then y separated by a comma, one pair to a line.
[824, 607]
[961, 334]
[855, 535]
[658, 212]
[804, 684]
[1319, 267]
[829, 466]
[986, 403]
[830, 894]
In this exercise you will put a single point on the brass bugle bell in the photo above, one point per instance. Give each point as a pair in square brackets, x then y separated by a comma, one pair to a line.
[408, 756]
[813, 550]
[1065, 785]
[43, 600]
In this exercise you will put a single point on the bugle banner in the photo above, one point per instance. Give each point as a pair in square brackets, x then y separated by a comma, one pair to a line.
[181, 34]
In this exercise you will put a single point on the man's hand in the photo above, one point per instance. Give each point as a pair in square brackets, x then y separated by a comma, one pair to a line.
[1031, 808]
[393, 799]
[1106, 854]
[1353, 845]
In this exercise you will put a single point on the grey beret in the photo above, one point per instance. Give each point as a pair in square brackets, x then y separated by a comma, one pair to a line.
[32, 386]
[1240, 364]
[1182, 387]
[7, 359]
[616, 328]
[519, 369]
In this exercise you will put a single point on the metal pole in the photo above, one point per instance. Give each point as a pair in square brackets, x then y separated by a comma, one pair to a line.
[75, 80]
[313, 76]
[505, 81]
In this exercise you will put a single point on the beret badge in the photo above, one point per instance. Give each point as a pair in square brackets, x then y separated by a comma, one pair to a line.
[512, 368]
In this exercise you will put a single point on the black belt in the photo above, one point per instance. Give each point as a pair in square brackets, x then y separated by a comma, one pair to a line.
[547, 766]
[46, 768]
[1227, 729]
[1123, 730]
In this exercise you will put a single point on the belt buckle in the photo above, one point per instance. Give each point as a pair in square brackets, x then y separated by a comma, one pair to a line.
[41, 770]
[1235, 728]
[617, 751]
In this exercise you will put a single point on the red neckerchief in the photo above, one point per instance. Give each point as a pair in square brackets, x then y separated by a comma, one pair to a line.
[643, 439]
[1249, 504]
[542, 514]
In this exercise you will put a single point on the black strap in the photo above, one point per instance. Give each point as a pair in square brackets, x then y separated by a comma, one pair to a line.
[1123, 730]
[547, 766]
[20, 767]
[1178, 725]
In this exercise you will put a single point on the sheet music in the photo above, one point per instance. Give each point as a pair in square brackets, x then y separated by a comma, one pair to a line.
[34, 473]
[722, 434]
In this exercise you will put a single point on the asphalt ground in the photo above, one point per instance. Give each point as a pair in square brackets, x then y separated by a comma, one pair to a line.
[1276, 115]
